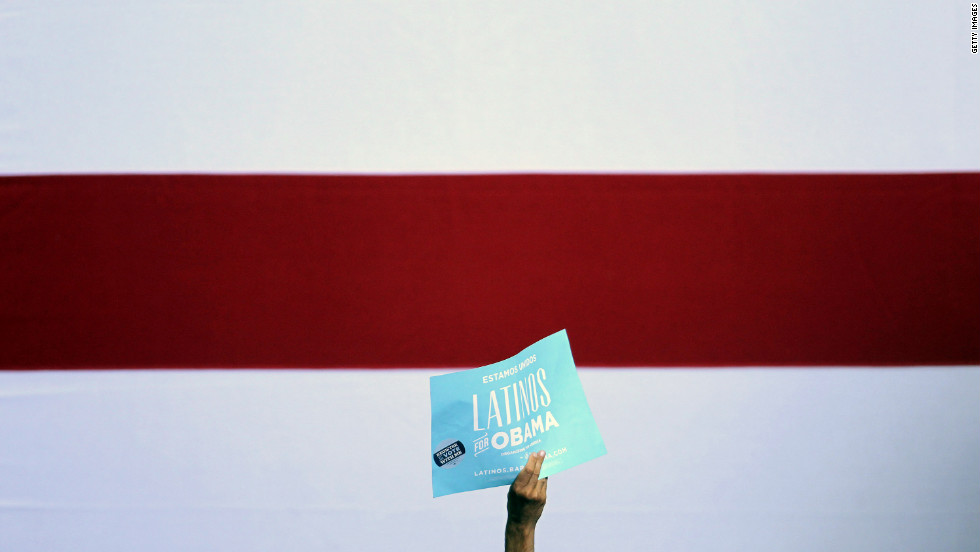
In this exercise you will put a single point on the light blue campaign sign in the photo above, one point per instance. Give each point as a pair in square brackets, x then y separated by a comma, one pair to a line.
[487, 421]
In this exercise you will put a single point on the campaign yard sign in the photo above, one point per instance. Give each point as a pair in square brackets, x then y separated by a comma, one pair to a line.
[487, 421]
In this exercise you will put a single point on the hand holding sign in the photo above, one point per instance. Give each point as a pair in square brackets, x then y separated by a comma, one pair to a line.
[525, 502]
[528, 493]
[487, 421]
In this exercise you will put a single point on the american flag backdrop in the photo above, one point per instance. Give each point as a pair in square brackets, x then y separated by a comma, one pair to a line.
[237, 237]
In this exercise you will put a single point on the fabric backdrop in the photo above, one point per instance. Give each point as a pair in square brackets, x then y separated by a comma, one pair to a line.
[759, 223]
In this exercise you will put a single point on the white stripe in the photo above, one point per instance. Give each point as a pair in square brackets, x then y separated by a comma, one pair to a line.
[395, 86]
[747, 459]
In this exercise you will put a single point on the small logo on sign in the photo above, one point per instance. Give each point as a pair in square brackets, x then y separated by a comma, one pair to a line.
[449, 453]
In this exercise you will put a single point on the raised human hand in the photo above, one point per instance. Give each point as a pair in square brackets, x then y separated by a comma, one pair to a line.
[528, 493]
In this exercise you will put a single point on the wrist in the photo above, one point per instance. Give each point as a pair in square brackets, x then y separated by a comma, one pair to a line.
[519, 536]
[521, 526]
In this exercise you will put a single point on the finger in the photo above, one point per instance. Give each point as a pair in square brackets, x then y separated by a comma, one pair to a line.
[534, 465]
[541, 488]
[524, 478]
[537, 464]
[529, 475]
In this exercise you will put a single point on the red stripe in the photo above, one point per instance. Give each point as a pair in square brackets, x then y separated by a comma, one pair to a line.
[357, 271]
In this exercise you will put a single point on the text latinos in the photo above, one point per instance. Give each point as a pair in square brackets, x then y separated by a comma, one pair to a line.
[529, 395]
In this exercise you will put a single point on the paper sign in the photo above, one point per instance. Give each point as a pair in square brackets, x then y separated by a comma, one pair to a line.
[487, 421]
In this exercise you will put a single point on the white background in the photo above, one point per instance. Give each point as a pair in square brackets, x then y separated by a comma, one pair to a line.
[441, 86]
[719, 459]
[839, 458]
